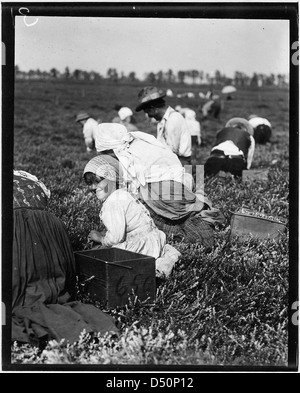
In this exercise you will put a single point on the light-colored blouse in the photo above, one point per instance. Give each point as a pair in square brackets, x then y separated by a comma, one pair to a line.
[172, 130]
[130, 226]
[90, 129]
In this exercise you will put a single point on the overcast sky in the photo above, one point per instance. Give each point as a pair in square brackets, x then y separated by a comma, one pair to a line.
[144, 45]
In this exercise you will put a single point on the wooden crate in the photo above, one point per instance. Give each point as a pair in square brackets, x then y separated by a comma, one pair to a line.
[243, 225]
[110, 275]
[255, 174]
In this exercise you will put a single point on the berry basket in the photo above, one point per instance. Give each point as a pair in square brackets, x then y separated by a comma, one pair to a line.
[245, 223]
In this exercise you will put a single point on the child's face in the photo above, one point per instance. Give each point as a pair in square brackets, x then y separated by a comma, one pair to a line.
[103, 188]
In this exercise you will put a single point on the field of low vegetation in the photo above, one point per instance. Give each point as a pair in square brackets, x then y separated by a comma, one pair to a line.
[225, 307]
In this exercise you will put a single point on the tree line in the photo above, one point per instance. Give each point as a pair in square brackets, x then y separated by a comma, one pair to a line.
[195, 77]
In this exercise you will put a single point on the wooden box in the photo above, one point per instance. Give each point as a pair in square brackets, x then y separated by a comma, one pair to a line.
[255, 174]
[243, 225]
[110, 275]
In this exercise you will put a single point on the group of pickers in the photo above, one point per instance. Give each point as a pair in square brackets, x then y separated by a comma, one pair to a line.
[148, 203]
[179, 129]
[159, 171]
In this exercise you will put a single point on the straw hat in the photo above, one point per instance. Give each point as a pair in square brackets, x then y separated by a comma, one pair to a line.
[82, 116]
[147, 95]
[240, 122]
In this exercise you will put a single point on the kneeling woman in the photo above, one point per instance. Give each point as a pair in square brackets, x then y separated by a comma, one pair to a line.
[128, 223]
[43, 273]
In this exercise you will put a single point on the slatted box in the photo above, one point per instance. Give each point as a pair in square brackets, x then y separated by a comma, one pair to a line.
[110, 275]
[243, 225]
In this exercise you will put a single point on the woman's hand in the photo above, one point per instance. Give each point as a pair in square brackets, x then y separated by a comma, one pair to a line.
[95, 236]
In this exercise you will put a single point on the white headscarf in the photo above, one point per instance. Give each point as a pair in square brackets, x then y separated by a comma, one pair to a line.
[112, 136]
[190, 114]
[124, 112]
[116, 137]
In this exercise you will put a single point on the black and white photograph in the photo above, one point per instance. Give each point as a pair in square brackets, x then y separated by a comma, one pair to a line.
[150, 189]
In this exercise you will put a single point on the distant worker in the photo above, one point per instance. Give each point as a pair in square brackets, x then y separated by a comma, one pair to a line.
[117, 119]
[192, 124]
[125, 114]
[212, 107]
[169, 93]
[181, 110]
[89, 129]
[194, 127]
[233, 150]
[209, 95]
[171, 128]
[262, 129]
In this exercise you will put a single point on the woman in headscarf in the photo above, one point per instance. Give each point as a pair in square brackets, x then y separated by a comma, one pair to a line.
[127, 221]
[43, 273]
[262, 129]
[162, 183]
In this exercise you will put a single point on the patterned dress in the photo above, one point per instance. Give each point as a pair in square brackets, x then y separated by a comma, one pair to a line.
[43, 272]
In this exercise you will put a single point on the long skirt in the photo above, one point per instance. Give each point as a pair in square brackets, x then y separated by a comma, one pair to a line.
[43, 286]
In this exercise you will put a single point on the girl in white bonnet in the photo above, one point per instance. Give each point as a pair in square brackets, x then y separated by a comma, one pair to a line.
[128, 223]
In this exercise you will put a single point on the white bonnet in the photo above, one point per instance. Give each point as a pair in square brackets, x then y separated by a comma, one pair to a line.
[125, 112]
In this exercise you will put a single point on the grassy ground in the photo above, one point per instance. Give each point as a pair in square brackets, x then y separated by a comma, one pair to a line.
[226, 307]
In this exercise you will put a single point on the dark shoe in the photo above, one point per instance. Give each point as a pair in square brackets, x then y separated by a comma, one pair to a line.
[214, 164]
[236, 165]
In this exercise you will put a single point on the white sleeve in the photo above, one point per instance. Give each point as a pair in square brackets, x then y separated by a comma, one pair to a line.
[175, 128]
[87, 131]
[113, 217]
[250, 152]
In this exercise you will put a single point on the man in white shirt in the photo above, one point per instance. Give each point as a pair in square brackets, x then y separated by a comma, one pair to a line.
[89, 130]
[262, 129]
[171, 128]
